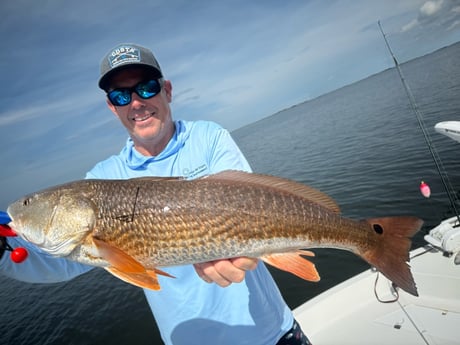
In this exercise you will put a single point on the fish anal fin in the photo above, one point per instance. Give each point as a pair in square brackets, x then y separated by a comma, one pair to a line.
[294, 263]
[126, 268]
[280, 184]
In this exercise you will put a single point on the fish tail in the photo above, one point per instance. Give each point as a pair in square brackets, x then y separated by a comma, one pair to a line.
[391, 254]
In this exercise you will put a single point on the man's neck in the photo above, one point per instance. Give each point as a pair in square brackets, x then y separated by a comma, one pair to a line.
[153, 147]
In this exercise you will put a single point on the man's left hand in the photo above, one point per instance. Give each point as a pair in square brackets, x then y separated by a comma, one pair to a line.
[226, 271]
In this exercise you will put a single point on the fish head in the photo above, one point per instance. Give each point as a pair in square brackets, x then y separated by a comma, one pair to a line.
[55, 220]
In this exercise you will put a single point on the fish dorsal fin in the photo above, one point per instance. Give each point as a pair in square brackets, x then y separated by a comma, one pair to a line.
[280, 184]
[156, 178]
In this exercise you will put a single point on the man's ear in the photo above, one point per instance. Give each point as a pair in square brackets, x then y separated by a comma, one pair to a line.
[167, 86]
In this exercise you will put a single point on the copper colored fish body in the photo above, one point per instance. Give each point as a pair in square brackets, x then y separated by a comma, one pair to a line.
[133, 227]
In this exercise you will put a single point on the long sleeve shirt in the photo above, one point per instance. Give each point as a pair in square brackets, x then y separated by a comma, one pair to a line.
[187, 309]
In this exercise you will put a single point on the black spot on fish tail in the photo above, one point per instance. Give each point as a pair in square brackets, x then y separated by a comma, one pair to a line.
[377, 228]
[390, 253]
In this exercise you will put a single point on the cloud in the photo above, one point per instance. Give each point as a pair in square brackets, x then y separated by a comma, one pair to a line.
[409, 26]
[14, 116]
[430, 8]
[230, 62]
[454, 25]
[435, 13]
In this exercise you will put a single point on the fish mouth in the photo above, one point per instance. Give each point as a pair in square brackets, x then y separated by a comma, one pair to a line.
[13, 227]
[28, 238]
[61, 249]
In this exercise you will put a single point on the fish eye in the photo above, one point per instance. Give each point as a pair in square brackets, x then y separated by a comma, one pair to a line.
[26, 202]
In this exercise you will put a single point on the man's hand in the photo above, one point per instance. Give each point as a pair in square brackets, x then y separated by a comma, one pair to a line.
[226, 271]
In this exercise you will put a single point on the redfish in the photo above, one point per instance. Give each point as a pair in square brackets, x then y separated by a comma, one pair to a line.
[134, 227]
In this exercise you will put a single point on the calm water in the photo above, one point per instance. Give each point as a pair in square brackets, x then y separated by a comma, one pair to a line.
[360, 144]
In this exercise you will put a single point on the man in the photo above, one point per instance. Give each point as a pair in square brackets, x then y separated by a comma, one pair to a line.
[195, 308]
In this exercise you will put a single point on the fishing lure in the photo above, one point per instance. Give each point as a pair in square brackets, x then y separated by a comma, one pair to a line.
[18, 254]
[425, 189]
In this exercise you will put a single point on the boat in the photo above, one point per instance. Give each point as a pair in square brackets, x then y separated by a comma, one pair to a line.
[369, 309]
[449, 128]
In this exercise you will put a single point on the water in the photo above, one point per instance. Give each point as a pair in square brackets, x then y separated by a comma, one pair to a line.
[360, 144]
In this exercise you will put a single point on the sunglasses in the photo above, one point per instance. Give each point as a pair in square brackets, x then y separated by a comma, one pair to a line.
[145, 90]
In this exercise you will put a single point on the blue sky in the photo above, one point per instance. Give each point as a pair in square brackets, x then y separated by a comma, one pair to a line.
[233, 62]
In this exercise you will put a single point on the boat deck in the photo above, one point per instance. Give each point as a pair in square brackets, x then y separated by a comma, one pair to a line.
[350, 313]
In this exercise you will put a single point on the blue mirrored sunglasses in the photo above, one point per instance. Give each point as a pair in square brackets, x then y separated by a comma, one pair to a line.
[145, 90]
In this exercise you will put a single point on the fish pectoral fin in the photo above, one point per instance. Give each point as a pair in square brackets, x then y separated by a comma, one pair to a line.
[156, 271]
[294, 263]
[145, 280]
[118, 258]
[125, 267]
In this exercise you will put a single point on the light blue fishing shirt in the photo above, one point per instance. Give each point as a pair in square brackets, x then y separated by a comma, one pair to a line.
[187, 309]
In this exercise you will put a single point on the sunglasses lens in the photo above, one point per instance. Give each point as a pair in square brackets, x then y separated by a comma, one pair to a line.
[119, 97]
[148, 89]
[145, 90]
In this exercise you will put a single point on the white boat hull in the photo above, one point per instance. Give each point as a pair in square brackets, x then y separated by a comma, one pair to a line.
[350, 313]
[449, 128]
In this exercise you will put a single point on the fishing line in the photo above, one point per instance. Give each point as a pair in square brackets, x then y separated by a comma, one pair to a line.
[413, 323]
[394, 287]
[129, 218]
[434, 154]
[395, 292]
[135, 203]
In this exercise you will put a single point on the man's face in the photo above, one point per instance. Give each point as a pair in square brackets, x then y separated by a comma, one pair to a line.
[148, 121]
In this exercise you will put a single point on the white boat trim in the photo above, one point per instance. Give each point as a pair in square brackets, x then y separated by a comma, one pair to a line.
[350, 313]
[449, 128]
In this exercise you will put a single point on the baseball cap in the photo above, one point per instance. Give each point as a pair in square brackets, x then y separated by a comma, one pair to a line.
[124, 55]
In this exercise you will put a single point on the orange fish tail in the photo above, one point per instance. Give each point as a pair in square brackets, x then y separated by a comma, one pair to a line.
[390, 255]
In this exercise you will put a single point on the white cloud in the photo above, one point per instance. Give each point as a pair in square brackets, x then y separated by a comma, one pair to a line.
[233, 63]
[435, 13]
[454, 25]
[430, 8]
[409, 26]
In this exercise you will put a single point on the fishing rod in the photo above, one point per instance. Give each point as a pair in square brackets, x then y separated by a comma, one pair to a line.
[434, 154]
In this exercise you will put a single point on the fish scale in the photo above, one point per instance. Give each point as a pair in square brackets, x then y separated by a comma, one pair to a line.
[208, 209]
[132, 227]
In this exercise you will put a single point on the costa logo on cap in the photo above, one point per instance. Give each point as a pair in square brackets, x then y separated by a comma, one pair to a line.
[124, 54]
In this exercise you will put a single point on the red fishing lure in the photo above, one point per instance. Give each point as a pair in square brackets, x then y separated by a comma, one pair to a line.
[19, 254]
[425, 189]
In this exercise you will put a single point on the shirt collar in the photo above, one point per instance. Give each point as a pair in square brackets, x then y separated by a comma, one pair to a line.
[135, 160]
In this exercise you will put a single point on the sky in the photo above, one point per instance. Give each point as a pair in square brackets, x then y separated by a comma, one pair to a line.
[233, 62]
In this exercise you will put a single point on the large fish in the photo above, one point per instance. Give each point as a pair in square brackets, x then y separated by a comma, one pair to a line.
[134, 227]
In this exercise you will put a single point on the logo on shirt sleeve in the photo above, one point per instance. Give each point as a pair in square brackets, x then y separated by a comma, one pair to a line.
[197, 172]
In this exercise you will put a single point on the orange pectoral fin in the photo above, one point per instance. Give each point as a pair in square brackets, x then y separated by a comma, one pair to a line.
[126, 268]
[143, 280]
[294, 263]
[156, 271]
